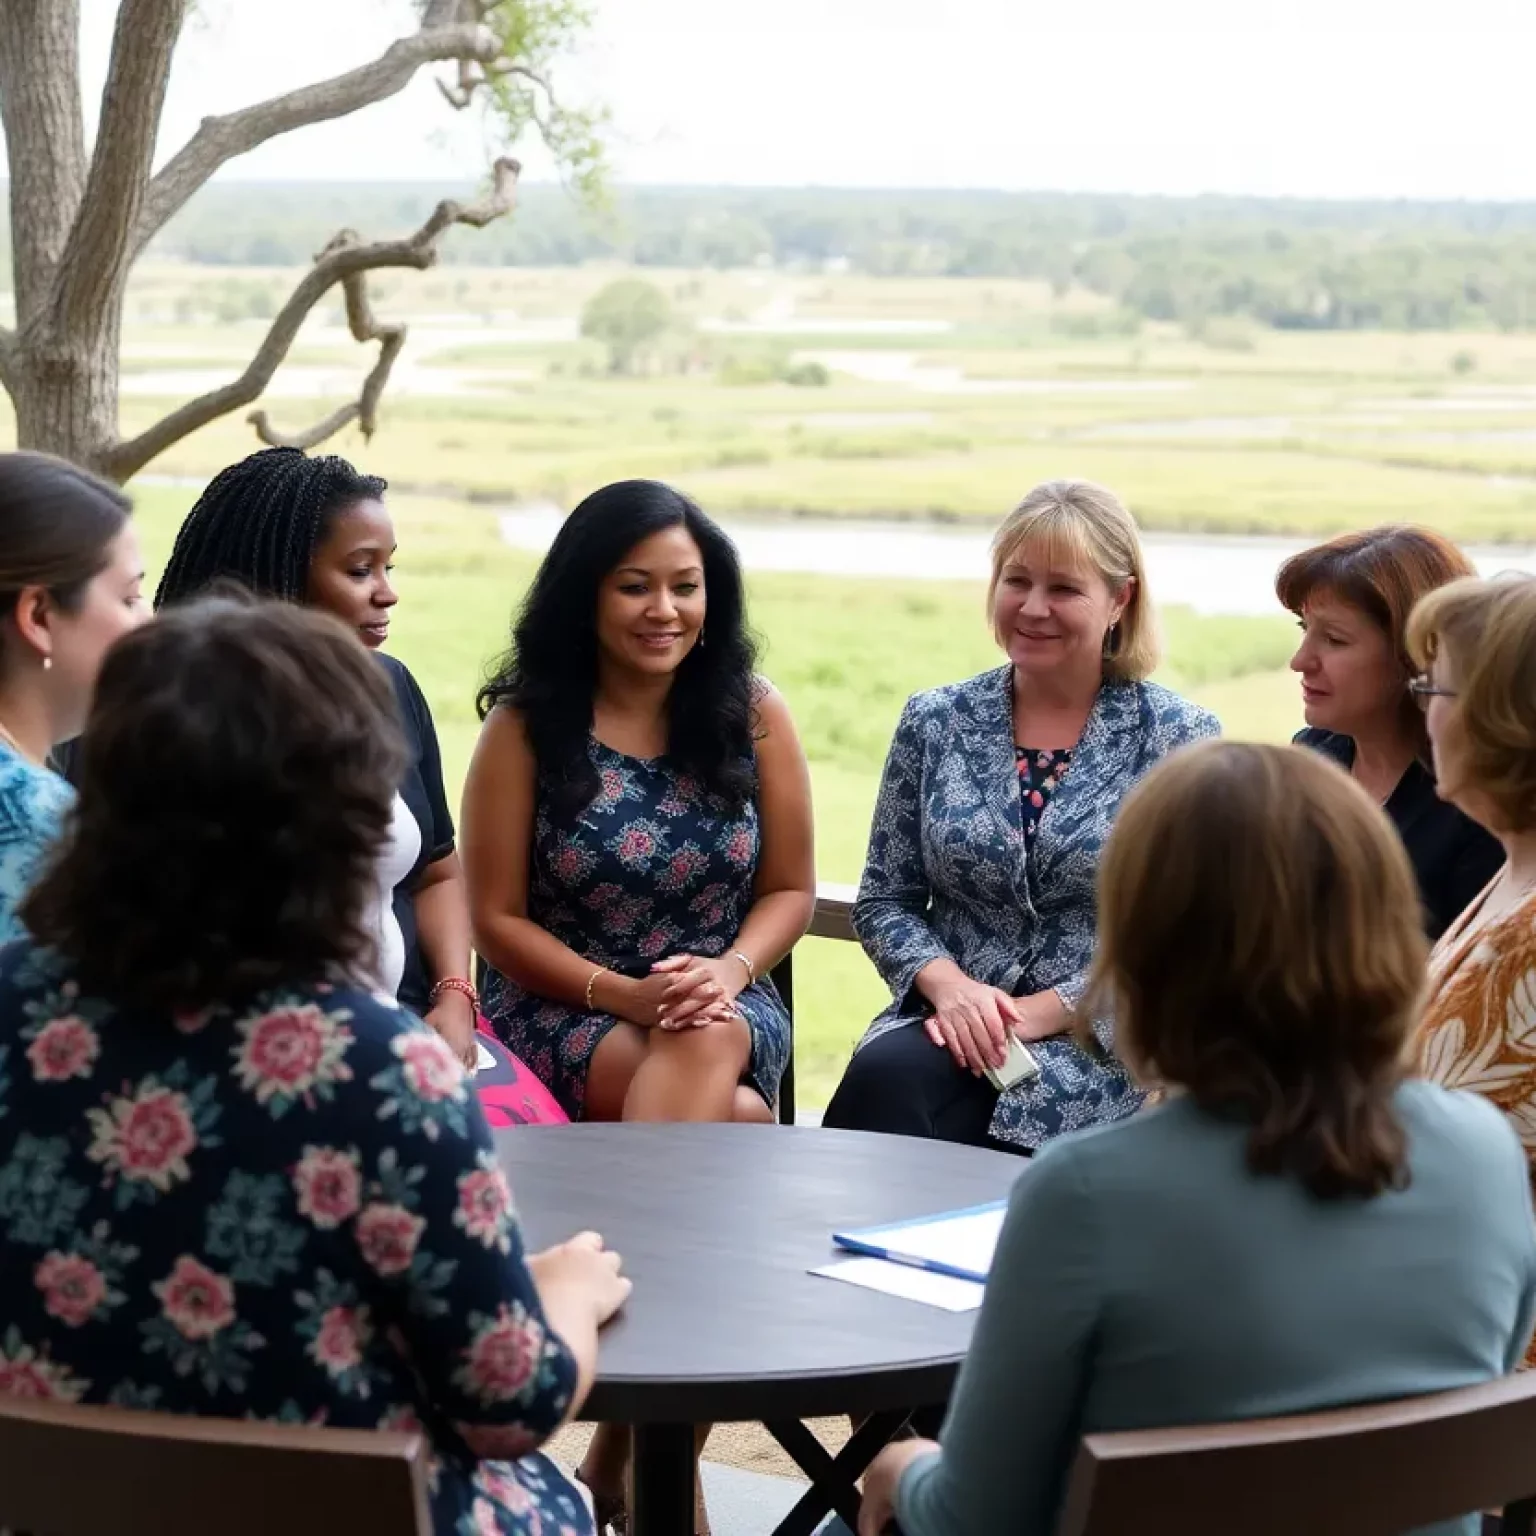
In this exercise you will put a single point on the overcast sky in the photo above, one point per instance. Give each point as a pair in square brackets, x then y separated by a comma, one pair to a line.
[1419, 98]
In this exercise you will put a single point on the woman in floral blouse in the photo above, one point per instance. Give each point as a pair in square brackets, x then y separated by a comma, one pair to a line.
[233, 1180]
[1477, 642]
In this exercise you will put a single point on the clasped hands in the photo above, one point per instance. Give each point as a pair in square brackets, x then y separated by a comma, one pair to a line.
[685, 992]
[972, 1021]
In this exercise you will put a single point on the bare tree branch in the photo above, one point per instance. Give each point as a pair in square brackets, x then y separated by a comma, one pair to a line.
[364, 327]
[93, 265]
[344, 260]
[443, 36]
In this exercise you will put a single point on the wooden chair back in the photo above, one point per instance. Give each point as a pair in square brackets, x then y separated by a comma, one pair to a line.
[1378, 1470]
[76, 1471]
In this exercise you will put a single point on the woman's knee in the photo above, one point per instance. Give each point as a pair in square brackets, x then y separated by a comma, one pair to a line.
[894, 1084]
[612, 1069]
[727, 1044]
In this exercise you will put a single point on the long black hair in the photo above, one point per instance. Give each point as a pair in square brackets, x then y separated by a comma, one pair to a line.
[549, 675]
[259, 522]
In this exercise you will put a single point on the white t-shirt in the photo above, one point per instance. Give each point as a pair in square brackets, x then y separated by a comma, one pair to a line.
[395, 863]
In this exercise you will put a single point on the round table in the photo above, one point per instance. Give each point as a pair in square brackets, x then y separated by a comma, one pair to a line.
[719, 1226]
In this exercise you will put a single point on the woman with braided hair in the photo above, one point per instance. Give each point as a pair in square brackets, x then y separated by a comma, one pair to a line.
[315, 531]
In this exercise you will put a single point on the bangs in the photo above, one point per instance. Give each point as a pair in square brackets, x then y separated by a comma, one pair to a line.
[1057, 538]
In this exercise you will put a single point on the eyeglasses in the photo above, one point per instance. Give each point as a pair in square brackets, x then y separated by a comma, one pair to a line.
[1423, 689]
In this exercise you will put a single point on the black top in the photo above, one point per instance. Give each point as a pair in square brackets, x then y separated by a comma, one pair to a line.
[1040, 775]
[422, 790]
[720, 1226]
[1452, 856]
[423, 793]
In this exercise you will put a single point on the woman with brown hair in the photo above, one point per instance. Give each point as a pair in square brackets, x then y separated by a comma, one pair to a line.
[70, 585]
[235, 1179]
[1353, 596]
[1477, 641]
[1297, 1225]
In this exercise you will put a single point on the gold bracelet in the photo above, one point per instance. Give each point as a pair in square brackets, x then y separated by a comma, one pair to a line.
[751, 969]
[602, 970]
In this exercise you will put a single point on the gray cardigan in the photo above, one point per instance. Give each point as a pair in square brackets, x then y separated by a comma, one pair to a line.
[1146, 1278]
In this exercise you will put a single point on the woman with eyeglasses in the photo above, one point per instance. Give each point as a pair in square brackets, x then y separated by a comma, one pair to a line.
[1353, 596]
[1476, 641]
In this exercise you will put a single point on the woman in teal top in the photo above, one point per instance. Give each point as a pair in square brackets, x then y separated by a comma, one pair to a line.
[70, 580]
[1295, 1226]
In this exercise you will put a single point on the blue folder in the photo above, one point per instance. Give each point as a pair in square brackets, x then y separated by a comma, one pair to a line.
[897, 1241]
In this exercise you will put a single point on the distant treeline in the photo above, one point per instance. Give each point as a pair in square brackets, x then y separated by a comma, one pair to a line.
[1285, 263]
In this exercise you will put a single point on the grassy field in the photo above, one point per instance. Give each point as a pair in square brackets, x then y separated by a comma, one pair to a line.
[946, 400]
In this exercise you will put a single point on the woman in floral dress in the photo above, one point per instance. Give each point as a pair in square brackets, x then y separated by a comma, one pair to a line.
[637, 837]
[637, 824]
[234, 1181]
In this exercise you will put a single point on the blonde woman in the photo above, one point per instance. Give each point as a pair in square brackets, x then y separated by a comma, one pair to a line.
[977, 903]
[1476, 641]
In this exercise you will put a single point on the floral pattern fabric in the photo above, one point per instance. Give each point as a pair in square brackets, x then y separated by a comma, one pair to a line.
[291, 1212]
[947, 874]
[654, 866]
[33, 804]
[1040, 775]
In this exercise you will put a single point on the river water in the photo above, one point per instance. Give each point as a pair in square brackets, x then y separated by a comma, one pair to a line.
[1210, 575]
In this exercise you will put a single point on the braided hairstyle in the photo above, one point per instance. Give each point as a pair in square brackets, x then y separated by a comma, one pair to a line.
[259, 523]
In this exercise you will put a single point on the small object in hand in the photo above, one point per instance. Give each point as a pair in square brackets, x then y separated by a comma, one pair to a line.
[1019, 1067]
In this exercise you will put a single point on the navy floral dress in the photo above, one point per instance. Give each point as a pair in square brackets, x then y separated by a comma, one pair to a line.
[292, 1212]
[653, 867]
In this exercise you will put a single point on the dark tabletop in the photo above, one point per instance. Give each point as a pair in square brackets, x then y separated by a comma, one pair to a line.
[718, 1226]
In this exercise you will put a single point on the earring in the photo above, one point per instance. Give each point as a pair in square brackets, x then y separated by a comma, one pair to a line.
[47, 663]
[701, 637]
[1112, 639]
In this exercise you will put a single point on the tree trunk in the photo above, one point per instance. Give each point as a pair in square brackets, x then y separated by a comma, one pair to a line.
[44, 136]
[65, 393]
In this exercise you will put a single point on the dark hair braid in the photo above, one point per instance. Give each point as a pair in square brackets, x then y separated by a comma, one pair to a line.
[258, 523]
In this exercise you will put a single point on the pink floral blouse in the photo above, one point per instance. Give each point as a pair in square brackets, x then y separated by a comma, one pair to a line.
[291, 1211]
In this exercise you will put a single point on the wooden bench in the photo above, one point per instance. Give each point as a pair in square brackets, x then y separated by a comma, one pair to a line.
[74, 1471]
[1377, 1470]
[833, 919]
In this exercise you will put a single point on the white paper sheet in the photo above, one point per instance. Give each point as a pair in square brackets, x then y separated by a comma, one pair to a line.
[965, 1240]
[946, 1291]
[483, 1058]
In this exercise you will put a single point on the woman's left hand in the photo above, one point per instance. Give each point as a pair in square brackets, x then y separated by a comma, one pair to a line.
[453, 1017]
[701, 988]
[878, 1509]
[1041, 1015]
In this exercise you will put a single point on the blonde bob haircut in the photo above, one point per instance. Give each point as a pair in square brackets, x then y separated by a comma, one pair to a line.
[1487, 631]
[1261, 949]
[1076, 525]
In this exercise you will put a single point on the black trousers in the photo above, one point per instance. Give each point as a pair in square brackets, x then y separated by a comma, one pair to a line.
[905, 1085]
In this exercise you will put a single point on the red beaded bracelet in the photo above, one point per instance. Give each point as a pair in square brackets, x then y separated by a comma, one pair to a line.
[454, 984]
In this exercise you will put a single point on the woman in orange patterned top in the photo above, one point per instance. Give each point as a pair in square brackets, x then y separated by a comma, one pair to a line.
[1476, 641]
